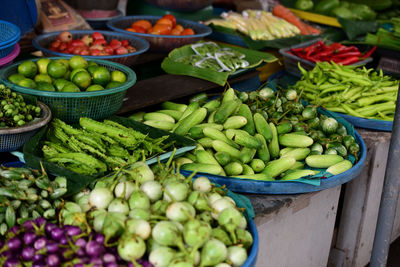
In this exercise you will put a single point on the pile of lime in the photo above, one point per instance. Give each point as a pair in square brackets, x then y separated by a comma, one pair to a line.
[63, 75]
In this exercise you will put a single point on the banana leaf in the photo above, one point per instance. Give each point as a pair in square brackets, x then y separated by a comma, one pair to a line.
[169, 64]
[354, 29]
[33, 155]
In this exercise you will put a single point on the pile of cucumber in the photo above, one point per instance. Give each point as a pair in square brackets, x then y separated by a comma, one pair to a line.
[261, 135]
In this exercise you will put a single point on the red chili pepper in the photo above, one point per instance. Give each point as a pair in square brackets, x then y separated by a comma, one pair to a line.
[349, 54]
[369, 53]
[348, 61]
[347, 49]
[301, 49]
[326, 53]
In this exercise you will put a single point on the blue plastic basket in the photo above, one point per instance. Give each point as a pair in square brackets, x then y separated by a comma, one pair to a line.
[9, 36]
[159, 42]
[43, 41]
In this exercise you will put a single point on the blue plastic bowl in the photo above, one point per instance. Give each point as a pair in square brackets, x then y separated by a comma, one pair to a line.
[42, 42]
[161, 43]
[9, 36]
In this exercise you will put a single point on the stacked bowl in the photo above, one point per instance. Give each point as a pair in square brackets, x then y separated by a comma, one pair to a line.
[9, 37]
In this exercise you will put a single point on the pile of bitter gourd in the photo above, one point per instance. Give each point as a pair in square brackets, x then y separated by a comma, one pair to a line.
[97, 147]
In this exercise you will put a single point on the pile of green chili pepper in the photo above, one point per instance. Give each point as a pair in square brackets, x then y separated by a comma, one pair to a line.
[28, 194]
[359, 92]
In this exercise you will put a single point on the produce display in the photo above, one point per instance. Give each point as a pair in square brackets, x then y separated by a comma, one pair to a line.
[210, 55]
[27, 194]
[63, 75]
[354, 91]
[98, 147]
[258, 25]
[90, 45]
[163, 215]
[166, 25]
[42, 243]
[386, 38]
[14, 111]
[336, 52]
[261, 135]
[351, 10]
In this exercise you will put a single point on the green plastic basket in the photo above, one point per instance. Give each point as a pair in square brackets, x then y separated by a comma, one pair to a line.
[69, 106]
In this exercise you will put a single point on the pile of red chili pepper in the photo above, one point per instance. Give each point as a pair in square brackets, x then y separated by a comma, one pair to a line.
[335, 52]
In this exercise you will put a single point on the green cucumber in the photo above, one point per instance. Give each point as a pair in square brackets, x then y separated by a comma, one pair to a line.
[273, 145]
[235, 122]
[283, 128]
[210, 118]
[222, 158]
[225, 110]
[323, 161]
[262, 126]
[163, 125]
[257, 165]
[202, 167]
[221, 146]
[295, 140]
[193, 119]
[173, 113]
[203, 156]
[138, 116]
[247, 154]
[243, 138]
[285, 150]
[233, 168]
[298, 153]
[192, 107]
[245, 111]
[174, 106]
[196, 132]
[262, 152]
[205, 142]
[247, 169]
[190, 156]
[278, 166]
[297, 174]
[257, 176]
[218, 135]
[212, 105]
[340, 167]
[183, 160]
[199, 98]
[229, 95]
[298, 165]
[156, 116]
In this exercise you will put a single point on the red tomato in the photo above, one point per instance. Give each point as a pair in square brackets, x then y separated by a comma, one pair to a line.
[171, 18]
[95, 52]
[84, 52]
[187, 32]
[144, 24]
[68, 49]
[97, 35]
[121, 50]
[55, 44]
[165, 21]
[63, 46]
[161, 29]
[114, 43]
[125, 43]
[77, 43]
[109, 50]
[130, 48]
[76, 50]
[100, 42]
[97, 47]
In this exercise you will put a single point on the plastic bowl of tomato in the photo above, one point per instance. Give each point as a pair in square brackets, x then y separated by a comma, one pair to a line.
[45, 42]
[163, 33]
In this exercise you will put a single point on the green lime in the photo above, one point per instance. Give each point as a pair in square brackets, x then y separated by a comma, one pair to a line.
[101, 76]
[42, 65]
[70, 87]
[118, 76]
[16, 77]
[91, 69]
[92, 63]
[82, 79]
[67, 75]
[29, 83]
[78, 62]
[113, 84]
[75, 71]
[64, 61]
[44, 86]
[43, 78]
[59, 84]
[94, 87]
[28, 69]
[56, 69]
